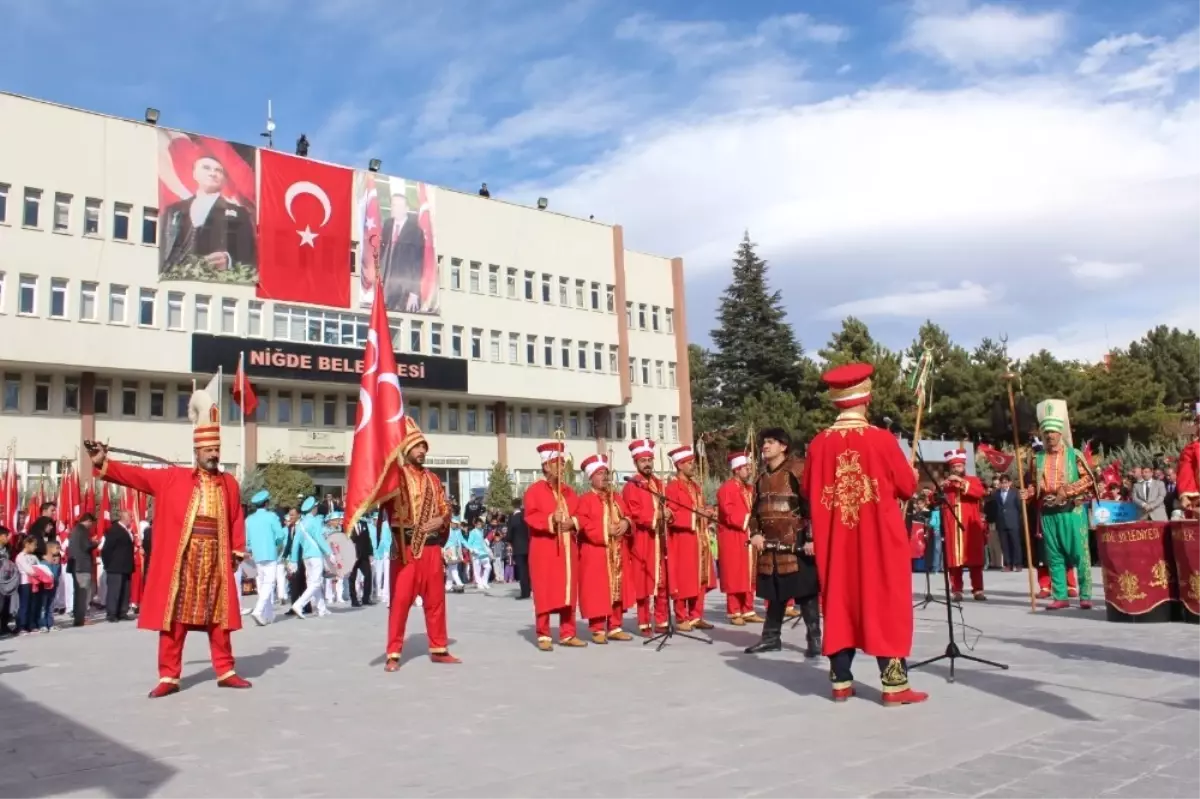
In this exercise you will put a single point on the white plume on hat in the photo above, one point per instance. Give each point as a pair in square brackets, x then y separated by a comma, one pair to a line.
[199, 406]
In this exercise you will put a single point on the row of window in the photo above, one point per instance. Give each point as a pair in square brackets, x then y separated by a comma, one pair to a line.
[161, 401]
[122, 219]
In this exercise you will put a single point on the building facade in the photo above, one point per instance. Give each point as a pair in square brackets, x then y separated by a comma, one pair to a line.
[545, 322]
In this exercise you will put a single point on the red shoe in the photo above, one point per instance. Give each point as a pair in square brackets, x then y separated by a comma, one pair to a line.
[1072, 592]
[234, 681]
[443, 657]
[1085, 604]
[164, 688]
[393, 664]
[906, 697]
[1058, 604]
[1043, 594]
[842, 694]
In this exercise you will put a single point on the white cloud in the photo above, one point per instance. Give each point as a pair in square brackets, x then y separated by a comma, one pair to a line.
[1088, 337]
[1163, 67]
[1103, 51]
[989, 35]
[926, 302]
[1095, 274]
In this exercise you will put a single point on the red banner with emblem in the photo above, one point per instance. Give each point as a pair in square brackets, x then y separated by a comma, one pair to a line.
[1185, 547]
[1135, 558]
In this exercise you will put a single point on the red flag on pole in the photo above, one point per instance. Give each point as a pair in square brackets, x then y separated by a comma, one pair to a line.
[243, 392]
[11, 498]
[374, 473]
[999, 461]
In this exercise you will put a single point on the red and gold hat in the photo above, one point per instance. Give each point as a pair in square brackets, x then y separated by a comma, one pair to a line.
[206, 420]
[412, 436]
[955, 456]
[738, 459]
[681, 455]
[641, 448]
[849, 385]
[551, 450]
[593, 463]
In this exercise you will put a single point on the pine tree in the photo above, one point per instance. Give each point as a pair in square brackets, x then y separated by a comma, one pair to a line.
[287, 485]
[755, 346]
[889, 395]
[499, 494]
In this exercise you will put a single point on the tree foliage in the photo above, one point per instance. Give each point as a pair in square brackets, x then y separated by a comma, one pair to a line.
[286, 483]
[256, 480]
[500, 491]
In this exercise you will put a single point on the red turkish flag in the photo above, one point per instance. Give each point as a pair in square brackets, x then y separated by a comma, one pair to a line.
[999, 461]
[304, 216]
[374, 473]
[243, 392]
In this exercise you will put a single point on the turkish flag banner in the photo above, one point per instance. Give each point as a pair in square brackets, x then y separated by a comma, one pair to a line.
[304, 223]
[243, 392]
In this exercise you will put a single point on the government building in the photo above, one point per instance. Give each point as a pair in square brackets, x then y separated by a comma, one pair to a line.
[530, 322]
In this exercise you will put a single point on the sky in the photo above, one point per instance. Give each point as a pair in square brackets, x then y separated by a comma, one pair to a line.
[1020, 169]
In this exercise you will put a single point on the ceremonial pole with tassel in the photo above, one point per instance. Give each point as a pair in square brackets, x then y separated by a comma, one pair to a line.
[1009, 377]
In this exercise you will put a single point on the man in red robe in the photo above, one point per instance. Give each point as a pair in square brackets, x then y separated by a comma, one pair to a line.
[550, 509]
[605, 591]
[420, 521]
[739, 568]
[198, 533]
[1187, 479]
[643, 498]
[690, 552]
[963, 543]
[855, 476]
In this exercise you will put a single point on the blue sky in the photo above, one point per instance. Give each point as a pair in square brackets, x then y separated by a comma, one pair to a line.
[1027, 168]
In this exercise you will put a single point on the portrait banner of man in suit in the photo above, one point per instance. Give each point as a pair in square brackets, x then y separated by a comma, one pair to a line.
[395, 221]
[207, 226]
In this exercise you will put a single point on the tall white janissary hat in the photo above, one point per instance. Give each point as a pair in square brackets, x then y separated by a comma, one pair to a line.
[1053, 417]
[206, 420]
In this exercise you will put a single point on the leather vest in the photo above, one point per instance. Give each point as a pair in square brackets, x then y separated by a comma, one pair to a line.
[778, 516]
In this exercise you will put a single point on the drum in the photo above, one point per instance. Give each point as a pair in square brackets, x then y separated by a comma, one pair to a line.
[1185, 552]
[1135, 561]
[343, 553]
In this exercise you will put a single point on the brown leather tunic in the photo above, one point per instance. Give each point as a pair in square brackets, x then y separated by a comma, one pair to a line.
[779, 516]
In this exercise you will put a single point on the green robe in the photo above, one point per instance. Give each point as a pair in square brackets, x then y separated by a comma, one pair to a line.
[1065, 534]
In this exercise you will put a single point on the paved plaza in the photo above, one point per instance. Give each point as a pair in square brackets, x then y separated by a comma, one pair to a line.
[1087, 709]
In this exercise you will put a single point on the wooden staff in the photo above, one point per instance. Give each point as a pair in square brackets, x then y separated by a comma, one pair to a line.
[1009, 377]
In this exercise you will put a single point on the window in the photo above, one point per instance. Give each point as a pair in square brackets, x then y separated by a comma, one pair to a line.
[284, 403]
[129, 398]
[415, 413]
[397, 336]
[87, 300]
[529, 285]
[545, 288]
[62, 211]
[633, 426]
[228, 315]
[573, 425]
[472, 418]
[645, 371]
[633, 371]
[202, 306]
[254, 318]
[414, 336]
[595, 296]
[435, 338]
[121, 213]
[508, 420]
[33, 204]
[91, 217]
[308, 410]
[612, 358]
[598, 357]
[41, 394]
[149, 225]
[556, 421]
[548, 351]
[541, 424]
[183, 396]
[158, 400]
[564, 291]
[451, 418]
[658, 373]
[526, 422]
[100, 395]
[456, 335]
[494, 347]
[489, 419]
[58, 298]
[456, 274]
[531, 350]
[670, 315]
[674, 428]
[351, 411]
[116, 303]
[174, 310]
[433, 420]
[475, 267]
[566, 353]
[583, 351]
[642, 316]
[4, 187]
[70, 395]
[654, 318]
[511, 283]
[146, 307]
[620, 426]
[629, 314]
[476, 343]
[610, 299]
[579, 289]
[589, 426]
[493, 280]
[27, 295]
[662, 428]
[514, 348]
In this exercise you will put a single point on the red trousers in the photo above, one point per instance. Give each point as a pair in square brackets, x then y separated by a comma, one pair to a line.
[739, 604]
[566, 624]
[660, 610]
[423, 577]
[956, 578]
[689, 609]
[608, 623]
[1044, 579]
[170, 651]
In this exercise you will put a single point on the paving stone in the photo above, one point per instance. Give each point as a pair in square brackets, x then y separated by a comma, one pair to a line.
[1087, 708]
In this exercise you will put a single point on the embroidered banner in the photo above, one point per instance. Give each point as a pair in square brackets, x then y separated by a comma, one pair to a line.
[1185, 547]
[1135, 561]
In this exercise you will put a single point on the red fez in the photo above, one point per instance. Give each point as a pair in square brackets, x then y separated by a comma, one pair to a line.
[849, 385]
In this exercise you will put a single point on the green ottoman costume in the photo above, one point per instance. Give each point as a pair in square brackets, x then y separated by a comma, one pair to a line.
[1062, 481]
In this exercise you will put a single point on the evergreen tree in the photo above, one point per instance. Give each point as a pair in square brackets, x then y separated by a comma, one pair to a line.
[1174, 358]
[500, 492]
[287, 485]
[889, 395]
[707, 414]
[1119, 401]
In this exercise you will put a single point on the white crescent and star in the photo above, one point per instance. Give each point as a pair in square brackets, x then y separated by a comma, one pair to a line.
[308, 237]
[389, 378]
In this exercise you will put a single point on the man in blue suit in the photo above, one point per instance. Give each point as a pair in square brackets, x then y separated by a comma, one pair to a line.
[264, 538]
[1007, 502]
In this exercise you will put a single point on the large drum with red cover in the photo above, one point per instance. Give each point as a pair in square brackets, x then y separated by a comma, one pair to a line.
[1185, 554]
[1135, 559]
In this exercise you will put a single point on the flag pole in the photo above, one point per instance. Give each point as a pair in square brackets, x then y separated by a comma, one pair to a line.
[241, 376]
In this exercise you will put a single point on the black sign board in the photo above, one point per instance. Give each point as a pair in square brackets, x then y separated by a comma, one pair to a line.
[290, 360]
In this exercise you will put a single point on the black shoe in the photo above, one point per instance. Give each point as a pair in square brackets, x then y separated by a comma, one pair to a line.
[112, 620]
[765, 645]
[368, 602]
[813, 650]
[356, 604]
[521, 596]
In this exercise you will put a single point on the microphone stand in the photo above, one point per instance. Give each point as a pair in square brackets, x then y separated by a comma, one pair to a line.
[952, 652]
[930, 542]
[664, 637]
